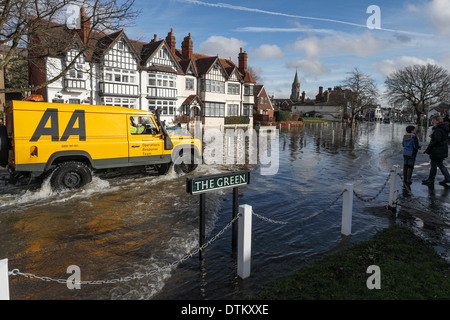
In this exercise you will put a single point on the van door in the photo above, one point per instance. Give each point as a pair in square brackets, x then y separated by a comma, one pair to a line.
[145, 143]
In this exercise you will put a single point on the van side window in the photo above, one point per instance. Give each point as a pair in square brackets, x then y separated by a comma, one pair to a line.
[142, 125]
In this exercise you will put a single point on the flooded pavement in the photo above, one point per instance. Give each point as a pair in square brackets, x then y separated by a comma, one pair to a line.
[132, 235]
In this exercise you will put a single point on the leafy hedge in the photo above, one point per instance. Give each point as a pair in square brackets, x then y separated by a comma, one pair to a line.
[282, 116]
[237, 120]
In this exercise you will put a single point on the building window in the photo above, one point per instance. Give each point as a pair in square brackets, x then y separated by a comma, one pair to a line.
[248, 90]
[234, 88]
[213, 86]
[119, 102]
[161, 80]
[214, 109]
[74, 101]
[162, 85]
[167, 107]
[119, 75]
[232, 110]
[248, 110]
[189, 84]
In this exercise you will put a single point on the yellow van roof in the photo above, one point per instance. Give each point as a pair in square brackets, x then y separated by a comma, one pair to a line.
[42, 106]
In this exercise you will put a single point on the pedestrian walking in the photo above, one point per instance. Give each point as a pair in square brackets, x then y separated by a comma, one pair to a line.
[438, 151]
[447, 119]
[410, 148]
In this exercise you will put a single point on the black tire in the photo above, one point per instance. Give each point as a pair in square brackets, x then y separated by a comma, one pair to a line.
[162, 168]
[182, 166]
[4, 146]
[70, 175]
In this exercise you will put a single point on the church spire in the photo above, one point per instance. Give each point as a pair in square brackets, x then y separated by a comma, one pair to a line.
[295, 93]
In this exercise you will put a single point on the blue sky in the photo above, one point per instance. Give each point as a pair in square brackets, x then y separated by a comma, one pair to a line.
[323, 40]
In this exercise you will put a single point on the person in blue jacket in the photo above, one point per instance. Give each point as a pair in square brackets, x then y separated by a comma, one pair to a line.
[410, 148]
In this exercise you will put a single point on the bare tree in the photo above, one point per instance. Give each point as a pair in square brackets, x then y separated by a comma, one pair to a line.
[39, 26]
[363, 92]
[419, 85]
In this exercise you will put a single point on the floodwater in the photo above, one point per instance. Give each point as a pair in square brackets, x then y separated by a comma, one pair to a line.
[144, 226]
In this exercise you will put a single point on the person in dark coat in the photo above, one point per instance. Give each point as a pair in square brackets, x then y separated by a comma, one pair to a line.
[438, 150]
[447, 119]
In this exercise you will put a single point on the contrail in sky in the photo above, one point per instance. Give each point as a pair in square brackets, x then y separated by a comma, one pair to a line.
[240, 8]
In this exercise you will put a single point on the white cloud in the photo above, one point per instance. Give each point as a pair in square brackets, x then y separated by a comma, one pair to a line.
[309, 66]
[268, 51]
[439, 14]
[315, 48]
[445, 61]
[413, 8]
[386, 67]
[362, 46]
[223, 47]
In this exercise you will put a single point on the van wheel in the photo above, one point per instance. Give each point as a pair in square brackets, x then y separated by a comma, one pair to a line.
[182, 165]
[70, 175]
[4, 146]
[162, 168]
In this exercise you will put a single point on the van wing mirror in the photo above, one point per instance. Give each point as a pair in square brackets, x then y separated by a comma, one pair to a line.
[168, 145]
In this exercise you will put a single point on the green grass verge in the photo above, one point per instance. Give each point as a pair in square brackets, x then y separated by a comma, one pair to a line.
[409, 269]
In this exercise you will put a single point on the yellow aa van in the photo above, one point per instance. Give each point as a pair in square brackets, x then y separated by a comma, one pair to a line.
[71, 141]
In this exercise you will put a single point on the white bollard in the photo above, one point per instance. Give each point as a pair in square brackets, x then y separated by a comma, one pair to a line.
[347, 209]
[4, 280]
[244, 241]
[393, 192]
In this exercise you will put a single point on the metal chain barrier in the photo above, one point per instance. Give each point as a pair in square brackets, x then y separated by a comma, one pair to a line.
[301, 220]
[379, 192]
[136, 275]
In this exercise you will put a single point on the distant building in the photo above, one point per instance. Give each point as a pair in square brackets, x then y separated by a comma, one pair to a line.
[327, 104]
[295, 91]
[263, 109]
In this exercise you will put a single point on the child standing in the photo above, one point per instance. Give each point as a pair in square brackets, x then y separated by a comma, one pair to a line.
[410, 148]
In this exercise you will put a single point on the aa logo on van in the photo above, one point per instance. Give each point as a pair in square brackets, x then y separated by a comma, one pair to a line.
[53, 131]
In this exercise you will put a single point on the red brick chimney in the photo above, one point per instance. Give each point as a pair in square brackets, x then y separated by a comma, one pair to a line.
[85, 26]
[243, 62]
[170, 39]
[154, 38]
[187, 47]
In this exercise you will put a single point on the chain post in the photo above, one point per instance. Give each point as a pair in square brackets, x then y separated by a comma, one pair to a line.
[393, 192]
[244, 241]
[4, 280]
[347, 210]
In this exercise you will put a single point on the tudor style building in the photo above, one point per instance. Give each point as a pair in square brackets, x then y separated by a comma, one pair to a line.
[119, 71]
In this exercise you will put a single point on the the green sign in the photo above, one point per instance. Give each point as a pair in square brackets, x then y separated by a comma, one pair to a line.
[217, 181]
